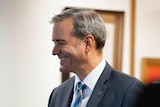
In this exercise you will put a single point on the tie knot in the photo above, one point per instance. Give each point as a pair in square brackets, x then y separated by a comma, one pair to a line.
[80, 86]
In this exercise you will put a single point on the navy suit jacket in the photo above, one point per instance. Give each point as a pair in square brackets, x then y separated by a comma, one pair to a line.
[113, 89]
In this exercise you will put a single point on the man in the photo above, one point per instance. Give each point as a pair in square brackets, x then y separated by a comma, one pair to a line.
[79, 36]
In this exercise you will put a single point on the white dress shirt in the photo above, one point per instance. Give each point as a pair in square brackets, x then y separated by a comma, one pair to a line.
[90, 81]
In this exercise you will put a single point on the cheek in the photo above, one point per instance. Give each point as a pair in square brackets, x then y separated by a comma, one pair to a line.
[76, 52]
[79, 56]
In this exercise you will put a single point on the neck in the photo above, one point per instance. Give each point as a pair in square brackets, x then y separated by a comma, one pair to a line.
[90, 64]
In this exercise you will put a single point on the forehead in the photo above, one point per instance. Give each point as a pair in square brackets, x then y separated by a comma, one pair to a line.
[62, 29]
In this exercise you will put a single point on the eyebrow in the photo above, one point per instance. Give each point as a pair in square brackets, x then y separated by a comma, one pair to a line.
[58, 40]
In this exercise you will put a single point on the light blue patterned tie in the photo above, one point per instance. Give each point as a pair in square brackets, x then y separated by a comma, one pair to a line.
[79, 89]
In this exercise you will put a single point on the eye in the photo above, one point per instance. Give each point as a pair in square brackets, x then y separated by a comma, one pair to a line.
[61, 43]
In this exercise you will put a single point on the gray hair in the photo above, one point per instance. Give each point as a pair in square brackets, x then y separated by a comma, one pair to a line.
[85, 22]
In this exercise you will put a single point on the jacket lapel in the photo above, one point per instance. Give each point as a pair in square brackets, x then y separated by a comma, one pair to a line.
[67, 98]
[100, 88]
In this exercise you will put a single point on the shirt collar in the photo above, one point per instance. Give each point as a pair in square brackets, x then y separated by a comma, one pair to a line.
[91, 79]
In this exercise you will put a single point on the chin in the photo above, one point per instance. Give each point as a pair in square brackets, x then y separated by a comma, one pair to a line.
[64, 71]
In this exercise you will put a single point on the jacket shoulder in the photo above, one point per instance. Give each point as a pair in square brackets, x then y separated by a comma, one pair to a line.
[58, 93]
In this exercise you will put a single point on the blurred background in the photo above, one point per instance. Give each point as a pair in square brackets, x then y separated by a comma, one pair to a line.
[29, 72]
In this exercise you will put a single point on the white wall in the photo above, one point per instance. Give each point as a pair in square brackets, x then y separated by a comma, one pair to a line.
[27, 68]
[147, 32]
[28, 71]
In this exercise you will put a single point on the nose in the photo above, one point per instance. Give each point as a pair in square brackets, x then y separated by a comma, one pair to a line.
[55, 50]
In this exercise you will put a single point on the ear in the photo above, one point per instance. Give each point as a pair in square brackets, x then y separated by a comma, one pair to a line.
[89, 42]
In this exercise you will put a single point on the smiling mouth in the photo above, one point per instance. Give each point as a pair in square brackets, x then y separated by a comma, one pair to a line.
[62, 58]
[62, 61]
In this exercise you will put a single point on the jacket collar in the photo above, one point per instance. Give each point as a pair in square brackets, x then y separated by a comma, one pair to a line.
[100, 88]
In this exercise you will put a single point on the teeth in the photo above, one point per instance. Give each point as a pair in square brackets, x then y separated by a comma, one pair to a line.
[62, 59]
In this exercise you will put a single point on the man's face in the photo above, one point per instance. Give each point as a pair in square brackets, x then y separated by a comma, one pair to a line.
[69, 49]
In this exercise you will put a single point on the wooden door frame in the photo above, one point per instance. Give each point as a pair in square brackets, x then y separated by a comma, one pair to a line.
[132, 38]
[116, 18]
